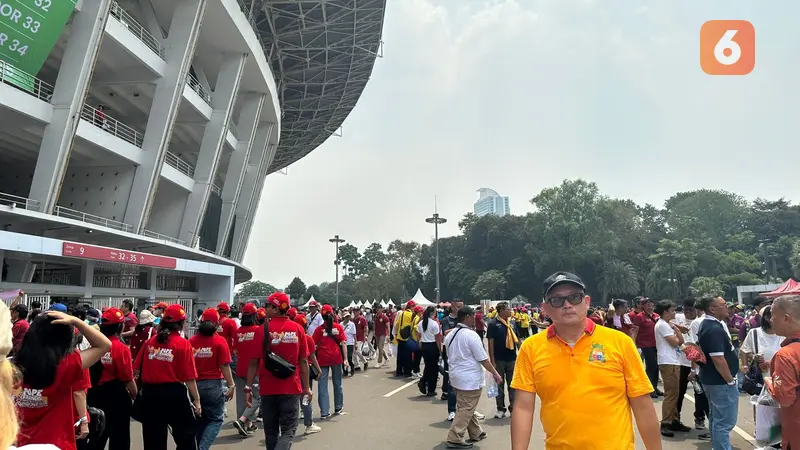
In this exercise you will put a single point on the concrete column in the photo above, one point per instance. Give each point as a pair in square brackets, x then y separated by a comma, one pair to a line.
[153, 283]
[232, 187]
[87, 272]
[223, 100]
[256, 199]
[69, 95]
[20, 271]
[250, 187]
[180, 48]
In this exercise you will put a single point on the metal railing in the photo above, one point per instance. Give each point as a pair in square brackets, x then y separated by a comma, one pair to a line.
[111, 125]
[19, 202]
[91, 218]
[134, 27]
[118, 281]
[163, 237]
[182, 166]
[206, 250]
[216, 189]
[232, 127]
[180, 283]
[26, 82]
[194, 83]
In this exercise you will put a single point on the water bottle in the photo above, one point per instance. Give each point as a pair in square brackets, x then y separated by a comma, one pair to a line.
[306, 400]
[697, 388]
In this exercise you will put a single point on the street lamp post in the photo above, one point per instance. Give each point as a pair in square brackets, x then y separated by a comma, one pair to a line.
[763, 244]
[436, 220]
[336, 240]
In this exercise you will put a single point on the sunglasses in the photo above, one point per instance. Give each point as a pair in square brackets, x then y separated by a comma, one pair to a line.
[573, 299]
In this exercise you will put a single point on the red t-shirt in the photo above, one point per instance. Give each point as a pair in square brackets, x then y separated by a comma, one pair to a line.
[130, 322]
[287, 340]
[480, 325]
[646, 337]
[117, 363]
[328, 350]
[210, 352]
[170, 362]
[227, 329]
[381, 325]
[312, 347]
[249, 345]
[18, 331]
[46, 415]
[362, 328]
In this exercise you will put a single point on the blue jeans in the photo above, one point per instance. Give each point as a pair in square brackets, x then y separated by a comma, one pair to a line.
[338, 395]
[307, 410]
[212, 403]
[723, 401]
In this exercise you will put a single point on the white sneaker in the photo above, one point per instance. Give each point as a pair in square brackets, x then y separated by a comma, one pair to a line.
[478, 415]
[499, 414]
[311, 429]
[451, 416]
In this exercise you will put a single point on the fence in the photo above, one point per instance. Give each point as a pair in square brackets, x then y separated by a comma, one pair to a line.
[26, 82]
[111, 125]
[194, 83]
[91, 218]
[163, 237]
[18, 202]
[182, 166]
[133, 26]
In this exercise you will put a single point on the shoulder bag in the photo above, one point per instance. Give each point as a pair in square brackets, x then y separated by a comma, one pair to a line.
[754, 378]
[277, 366]
[405, 330]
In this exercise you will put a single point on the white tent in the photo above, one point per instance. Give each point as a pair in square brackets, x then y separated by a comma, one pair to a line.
[384, 304]
[359, 304]
[420, 299]
[309, 302]
[390, 302]
[352, 305]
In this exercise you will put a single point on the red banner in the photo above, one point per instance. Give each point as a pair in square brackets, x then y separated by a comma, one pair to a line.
[86, 251]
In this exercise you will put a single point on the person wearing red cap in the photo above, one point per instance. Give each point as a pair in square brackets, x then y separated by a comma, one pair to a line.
[313, 374]
[212, 360]
[248, 346]
[403, 327]
[283, 376]
[331, 346]
[113, 385]
[167, 370]
[292, 313]
[158, 310]
[227, 329]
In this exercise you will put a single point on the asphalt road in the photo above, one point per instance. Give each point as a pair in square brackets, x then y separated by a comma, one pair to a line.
[382, 413]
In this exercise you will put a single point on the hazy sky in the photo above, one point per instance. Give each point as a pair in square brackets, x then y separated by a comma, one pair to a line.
[517, 95]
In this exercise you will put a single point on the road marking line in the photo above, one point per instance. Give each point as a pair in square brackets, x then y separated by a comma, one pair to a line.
[410, 383]
[743, 434]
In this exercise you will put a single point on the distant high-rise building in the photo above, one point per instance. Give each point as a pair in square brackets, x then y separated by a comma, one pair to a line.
[490, 202]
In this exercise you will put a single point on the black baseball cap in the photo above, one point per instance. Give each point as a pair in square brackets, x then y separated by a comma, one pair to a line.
[561, 278]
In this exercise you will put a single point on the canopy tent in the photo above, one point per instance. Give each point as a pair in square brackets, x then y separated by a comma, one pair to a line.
[384, 304]
[420, 299]
[390, 303]
[787, 288]
[352, 305]
[309, 302]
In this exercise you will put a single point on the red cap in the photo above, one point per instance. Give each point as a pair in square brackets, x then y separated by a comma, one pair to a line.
[224, 307]
[249, 309]
[279, 300]
[300, 319]
[161, 306]
[327, 309]
[292, 312]
[210, 315]
[411, 304]
[112, 316]
[261, 313]
[418, 309]
[174, 313]
[313, 303]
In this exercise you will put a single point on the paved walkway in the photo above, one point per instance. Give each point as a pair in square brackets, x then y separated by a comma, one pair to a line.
[389, 413]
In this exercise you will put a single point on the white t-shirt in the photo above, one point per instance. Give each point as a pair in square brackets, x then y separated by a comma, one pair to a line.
[350, 333]
[465, 353]
[667, 354]
[428, 335]
[768, 344]
[314, 321]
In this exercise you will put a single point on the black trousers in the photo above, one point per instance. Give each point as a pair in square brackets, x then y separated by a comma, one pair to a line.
[350, 358]
[683, 384]
[701, 406]
[113, 399]
[651, 365]
[169, 408]
[430, 377]
[416, 359]
[446, 376]
[280, 420]
[403, 359]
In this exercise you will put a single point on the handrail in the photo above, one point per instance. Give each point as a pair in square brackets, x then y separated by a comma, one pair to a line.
[163, 237]
[194, 83]
[182, 166]
[119, 13]
[91, 218]
[111, 125]
[206, 250]
[216, 189]
[26, 82]
[17, 201]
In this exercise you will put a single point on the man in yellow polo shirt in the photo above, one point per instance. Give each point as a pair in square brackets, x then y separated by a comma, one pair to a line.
[589, 379]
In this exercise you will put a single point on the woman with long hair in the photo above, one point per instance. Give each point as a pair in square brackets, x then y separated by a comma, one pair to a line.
[431, 347]
[169, 397]
[113, 387]
[50, 369]
[331, 345]
[212, 359]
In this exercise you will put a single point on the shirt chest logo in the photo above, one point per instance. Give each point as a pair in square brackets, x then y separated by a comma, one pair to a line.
[598, 354]
[249, 336]
[106, 359]
[285, 337]
[161, 354]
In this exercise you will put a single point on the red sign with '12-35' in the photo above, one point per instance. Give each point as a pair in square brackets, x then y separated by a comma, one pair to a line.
[86, 251]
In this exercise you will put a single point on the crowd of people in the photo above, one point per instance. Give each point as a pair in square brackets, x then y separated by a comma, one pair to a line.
[80, 375]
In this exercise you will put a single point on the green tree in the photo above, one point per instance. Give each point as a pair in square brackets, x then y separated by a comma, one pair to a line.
[296, 289]
[618, 278]
[350, 258]
[312, 291]
[705, 286]
[255, 288]
[489, 285]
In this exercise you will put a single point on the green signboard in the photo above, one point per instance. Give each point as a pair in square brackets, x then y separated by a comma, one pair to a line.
[29, 29]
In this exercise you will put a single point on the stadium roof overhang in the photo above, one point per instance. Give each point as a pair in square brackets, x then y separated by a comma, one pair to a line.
[322, 53]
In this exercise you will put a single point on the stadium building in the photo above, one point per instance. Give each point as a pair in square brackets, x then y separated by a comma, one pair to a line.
[135, 135]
